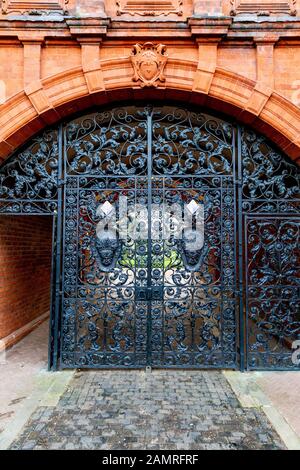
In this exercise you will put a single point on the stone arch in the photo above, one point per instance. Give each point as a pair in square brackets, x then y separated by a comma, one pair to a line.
[53, 99]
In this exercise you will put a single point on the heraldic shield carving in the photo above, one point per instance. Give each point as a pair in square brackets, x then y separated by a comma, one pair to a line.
[148, 61]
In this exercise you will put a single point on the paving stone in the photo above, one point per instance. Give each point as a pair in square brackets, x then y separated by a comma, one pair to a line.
[137, 410]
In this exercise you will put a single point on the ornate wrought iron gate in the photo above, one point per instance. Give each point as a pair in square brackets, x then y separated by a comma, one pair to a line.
[134, 300]
[138, 302]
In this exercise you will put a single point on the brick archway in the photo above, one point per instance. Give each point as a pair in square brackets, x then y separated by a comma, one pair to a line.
[52, 99]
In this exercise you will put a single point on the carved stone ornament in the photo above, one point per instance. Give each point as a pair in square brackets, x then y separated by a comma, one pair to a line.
[148, 61]
[263, 8]
[34, 7]
[149, 7]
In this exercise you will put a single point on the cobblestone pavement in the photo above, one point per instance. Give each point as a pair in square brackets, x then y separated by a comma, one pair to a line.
[141, 410]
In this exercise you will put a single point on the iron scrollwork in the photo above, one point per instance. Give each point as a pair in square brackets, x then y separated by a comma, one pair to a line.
[188, 315]
[29, 180]
[270, 201]
[108, 143]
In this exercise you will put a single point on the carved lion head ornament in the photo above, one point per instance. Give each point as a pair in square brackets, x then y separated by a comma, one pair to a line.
[148, 61]
[107, 250]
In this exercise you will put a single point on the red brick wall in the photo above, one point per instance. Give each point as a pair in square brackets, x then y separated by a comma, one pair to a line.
[25, 270]
[245, 65]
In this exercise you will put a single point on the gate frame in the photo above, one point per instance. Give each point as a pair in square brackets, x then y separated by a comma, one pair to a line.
[58, 217]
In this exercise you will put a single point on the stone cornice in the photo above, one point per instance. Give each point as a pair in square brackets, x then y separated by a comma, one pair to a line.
[209, 26]
[87, 27]
[192, 28]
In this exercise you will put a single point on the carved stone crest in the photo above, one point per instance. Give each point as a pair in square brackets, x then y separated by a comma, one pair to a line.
[148, 61]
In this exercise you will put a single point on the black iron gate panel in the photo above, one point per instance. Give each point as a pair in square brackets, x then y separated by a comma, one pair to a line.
[29, 180]
[194, 323]
[269, 218]
[103, 325]
[146, 298]
[272, 290]
[130, 190]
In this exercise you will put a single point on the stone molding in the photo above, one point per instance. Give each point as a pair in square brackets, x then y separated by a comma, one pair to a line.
[61, 95]
[149, 7]
[263, 8]
[34, 7]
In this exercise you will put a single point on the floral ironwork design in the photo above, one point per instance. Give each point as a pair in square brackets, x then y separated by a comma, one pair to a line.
[191, 160]
[273, 276]
[139, 302]
[108, 143]
[29, 180]
[270, 205]
[267, 175]
[191, 143]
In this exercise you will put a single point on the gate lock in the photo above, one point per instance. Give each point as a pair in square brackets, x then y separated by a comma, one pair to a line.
[144, 294]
